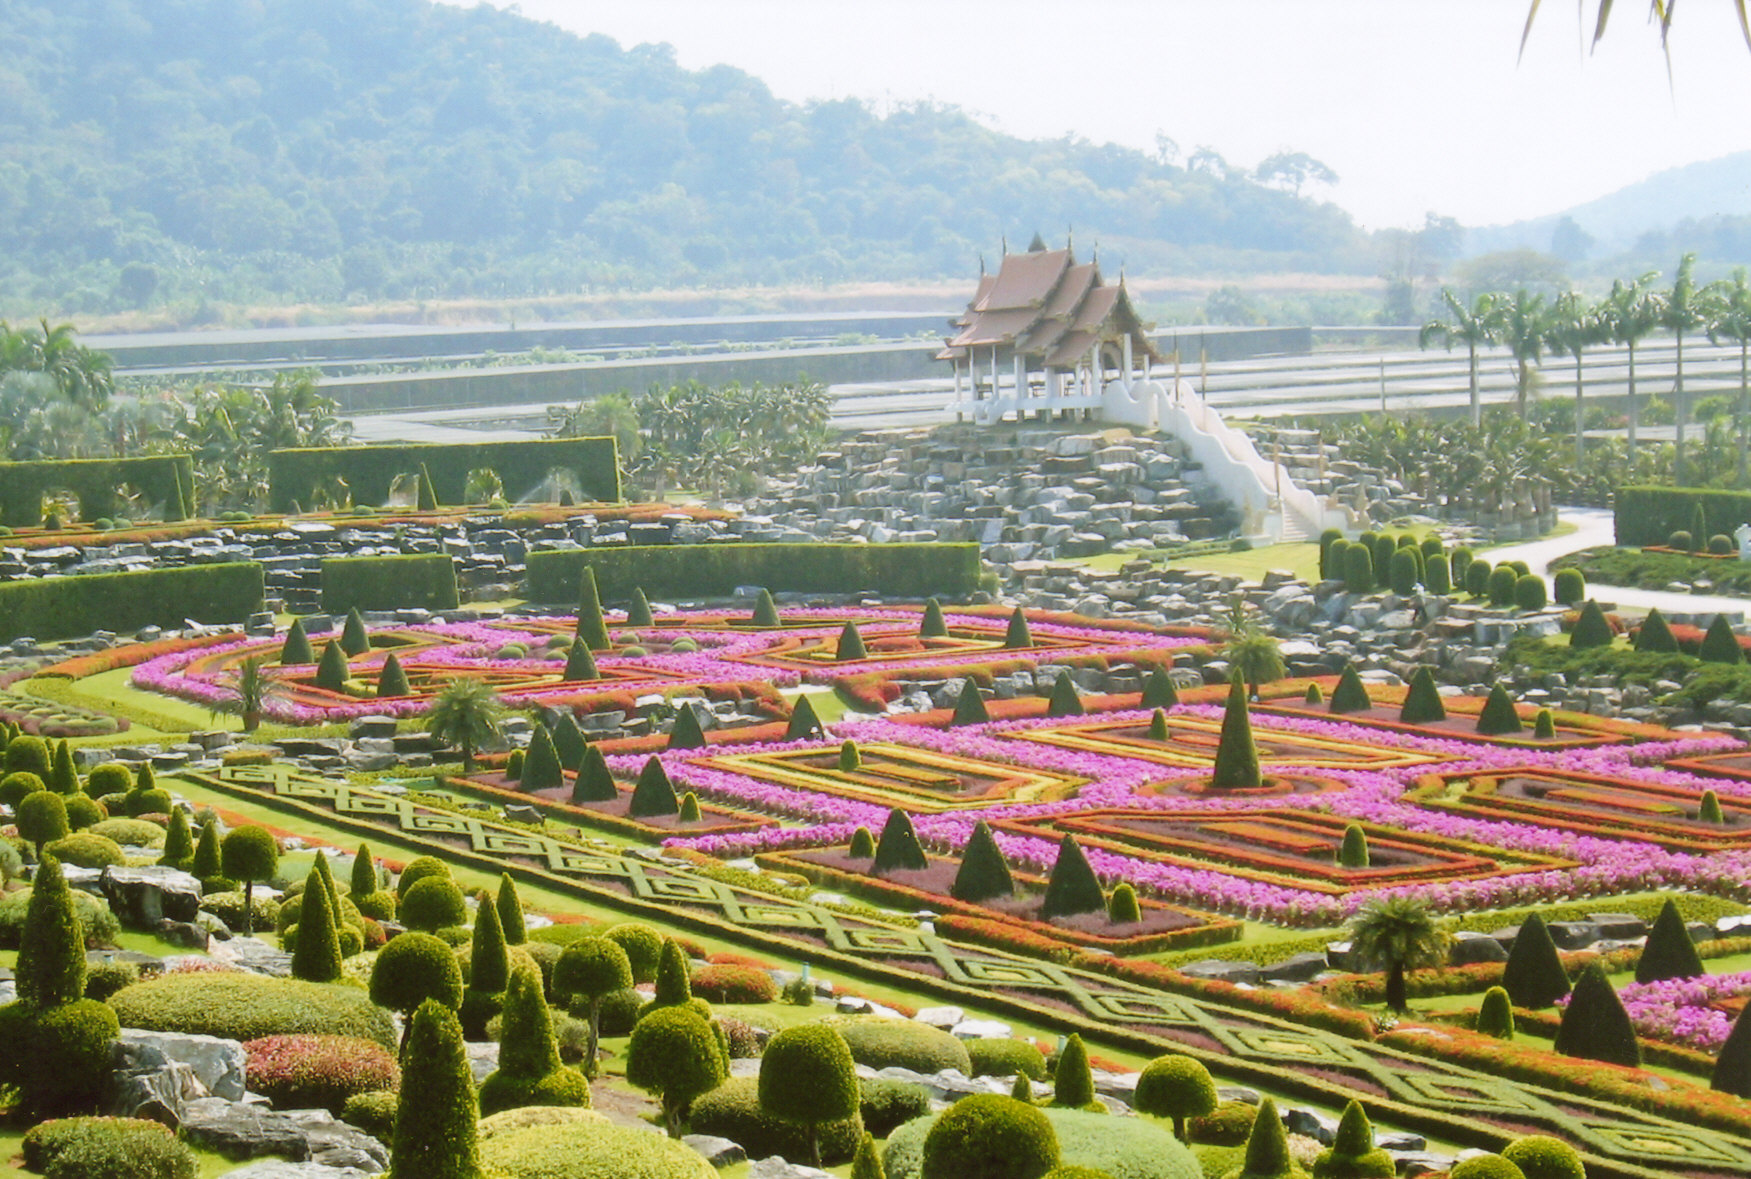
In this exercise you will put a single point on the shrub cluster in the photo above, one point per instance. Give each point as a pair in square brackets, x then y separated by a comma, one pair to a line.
[898, 1043]
[308, 1071]
[238, 1006]
[107, 1148]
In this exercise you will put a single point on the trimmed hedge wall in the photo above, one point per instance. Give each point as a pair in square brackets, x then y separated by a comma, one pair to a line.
[715, 570]
[1648, 515]
[369, 470]
[166, 479]
[425, 580]
[66, 607]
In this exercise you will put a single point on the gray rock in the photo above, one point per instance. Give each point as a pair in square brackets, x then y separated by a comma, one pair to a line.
[334, 1143]
[1312, 1124]
[218, 1064]
[940, 1017]
[1400, 1141]
[483, 1059]
[241, 1131]
[1573, 935]
[719, 1152]
[189, 935]
[1234, 972]
[523, 814]
[1470, 947]
[1619, 926]
[275, 1169]
[1412, 1163]
[1297, 968]
[160, 1093]
[142, 897]
[980, 1029]
[777, 1168]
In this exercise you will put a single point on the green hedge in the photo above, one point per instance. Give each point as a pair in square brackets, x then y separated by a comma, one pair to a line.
[66, 607]
[1648, 515]
[293, 475]
[427, 580]
[251, 1006]
[715, 570]
[165, 479]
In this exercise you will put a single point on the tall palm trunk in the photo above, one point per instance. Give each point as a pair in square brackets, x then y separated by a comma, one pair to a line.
[1580, 444]
[1634, 409]
[1744, 403]
[1476, 403]
[1679, 413]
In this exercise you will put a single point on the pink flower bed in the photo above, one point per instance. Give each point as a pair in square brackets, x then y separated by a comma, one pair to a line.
[1680, 1011]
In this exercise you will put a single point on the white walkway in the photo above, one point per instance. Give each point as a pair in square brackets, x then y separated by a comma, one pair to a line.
[1594, 529]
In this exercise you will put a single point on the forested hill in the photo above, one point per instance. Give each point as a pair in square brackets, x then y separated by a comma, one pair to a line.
[157, 151]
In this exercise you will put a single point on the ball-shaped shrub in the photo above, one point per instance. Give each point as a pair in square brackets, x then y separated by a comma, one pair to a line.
[590, 1149]
[238, 1006]
[59, 1057]
[413, 968]
[432, 904]
[1569, 587]
[1502, 581]
[307, 1072]
[1004, 1057]
[87, 850]
[148, 802]
[28, 754]
[107, 1148]
[417, 870]
[1176, 1087]
[989, 1137]
[886, 1105]
[733, 1111]
[84, 812]
[374, 1113]
[1720, 544]
[1227, 1125]
[734, 984]
[129, 832]
[228, 907]
[643, 946]
[112, 777]
[807, 1075]
[1680, 540]
[674, 1054]
[42, 820]
[1529, 592]
[1486, 1166]
[103, 979]
[899, 1043]
[619, 1012]
[1541, 1157]
[18, 786]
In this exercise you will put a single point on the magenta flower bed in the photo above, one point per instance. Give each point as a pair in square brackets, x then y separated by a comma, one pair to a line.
[1679, 1010]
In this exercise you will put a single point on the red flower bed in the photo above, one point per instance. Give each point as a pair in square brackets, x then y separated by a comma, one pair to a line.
[304, 1072]
[130, 655]
[734, 984]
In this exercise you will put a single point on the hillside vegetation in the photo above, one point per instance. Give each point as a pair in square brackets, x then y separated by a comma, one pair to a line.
[192, 153]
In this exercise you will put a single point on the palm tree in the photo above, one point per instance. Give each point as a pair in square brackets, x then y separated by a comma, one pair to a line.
[1398, 934]
[1634, 311]
[1253, 655]
[1522, 322]
[1575, 325]
[253, 689]
[466, 713]
[1473, 326]
[1682, 312]
[1729, 317]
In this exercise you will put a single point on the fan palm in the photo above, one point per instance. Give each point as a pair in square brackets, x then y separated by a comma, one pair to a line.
[1681, 312]
[1634, 311]
[1254, 656]
[1522, 323]
[1729, 318]
[1398, 935]
[466, 713]
[1474, 325]
[1575, 326]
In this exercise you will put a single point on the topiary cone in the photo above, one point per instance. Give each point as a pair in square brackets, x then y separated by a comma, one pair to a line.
[1349, 695]
[1267, 1147]
[898, 849]
[983, 873]
[1313, 695]
[592, 627]
[392, 680]
[331, 672]
[594, 783]
[51, 947]
[1498, 717]
[850, 646]
[1495, 1015]
[580, 664]
[354, 639]
[1073, 1079]
[1534, 976]
[1158, 691]
[1720, 644]
[638, 612]
[1237, 755]
[1064, 700]
[1353, 1154]
[686, 734]
[766, 610]
[1422, 704]
[1595, 1025]
[541, 768]
[568, 741]
[689, 812]
[1122, 906]
[1158, 725]
[435, 1120]
[863, 846]
[316, 957]
[510, 909]
[1544, 725]
[1353, 854]
[1591, 628]
[1732, 1072]
[179, 844]
[1073, 888]
[1709, 811]
[932, 625]
[969, 706]
[654, 795]
[1017, 637]
[1669, 951]
[296, 648]
[804, 722]
[849, 758]
[1655, 635]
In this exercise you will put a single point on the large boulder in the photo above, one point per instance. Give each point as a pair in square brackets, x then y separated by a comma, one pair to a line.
[142, 897]
[217, 1064]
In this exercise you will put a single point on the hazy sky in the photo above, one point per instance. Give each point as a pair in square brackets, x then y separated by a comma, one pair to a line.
[1418, 105]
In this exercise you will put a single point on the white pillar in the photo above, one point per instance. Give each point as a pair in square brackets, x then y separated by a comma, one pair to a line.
[1130, 372]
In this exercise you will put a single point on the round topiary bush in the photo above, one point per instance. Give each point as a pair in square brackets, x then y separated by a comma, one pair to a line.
[734, 984]
[674, 1054]
[1680, 540]
[306, 1071]
[374, 1113]
[87, 851]
[1227, 1125]
[590, 1149]
[1002, 1057]
[643, 946]
[1529, 592]
[433, 903]
[107, 1148]
[807, 1076]
[619, 1012]
[886, 1105]
[1541, 1157]
[418, 869]
[84, 812]
[112, 777]
[899, 1043]
[228, 907]
[238, 1006]
[28, 754]
[1486, 1166]
[148, 802]
[129, 832]
[1175, 1087]
[1569, 587]
[58, 1056]
[989, 1137]
[1720, 544]
[733, 1111]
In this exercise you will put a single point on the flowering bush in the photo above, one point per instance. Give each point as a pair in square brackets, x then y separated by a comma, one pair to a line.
[303, 1072]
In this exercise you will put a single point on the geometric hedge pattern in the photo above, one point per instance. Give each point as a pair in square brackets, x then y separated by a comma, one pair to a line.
[1450, 1100]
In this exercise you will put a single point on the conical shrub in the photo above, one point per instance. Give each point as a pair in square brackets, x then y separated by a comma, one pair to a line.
[1073, 888]
[51, 947]
[541, 768]
[689, 812]
[1534, 976]
[296, 648]
[592, 626]
[850, 646]
[1544, 725]
[316, 957]
[568, 740]
[364, 880]
[1158, 690]
[1498, 717]
[594, 783]
[1591, 628]
[969, 706]
[1422, 704]
[179, 843]
[1732, 1073]
[1313, 695]
[932, 625]
[1237, 755]
[435, 1119]
[1158, 725]
[1017, 637]
[983, 873]
[638, 611]
[1669, 951]
[208, 859]
[863, 845]
[1495, 1014]
[654, 795]
[766, 610]
[849, 757]
[687, 733]
[489, 961]
[354, 638]
[1073, 1079]
[804, 722]
[510, 909]
[1122, 906]
[392, 680]
[331, 672]
[1267, 1147]
[1064, 700]
[580, 664]
[63, 778]
[1655, 635]
[1349, 695]
[1720, 644]
[1595, 1025]
[1353, 853]
[1353, 1154]
[898, 850]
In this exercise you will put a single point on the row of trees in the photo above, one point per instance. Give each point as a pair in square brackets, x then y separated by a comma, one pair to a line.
[1529, 327]
[715, 439]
